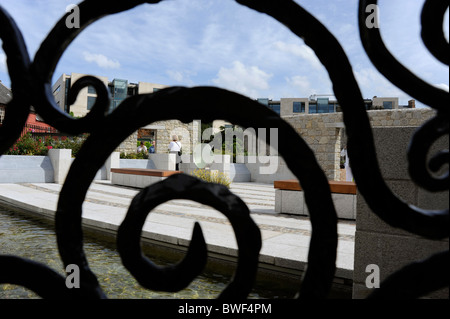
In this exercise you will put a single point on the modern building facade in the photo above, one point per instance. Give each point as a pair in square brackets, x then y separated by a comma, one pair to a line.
[319, 104]
[119, 89]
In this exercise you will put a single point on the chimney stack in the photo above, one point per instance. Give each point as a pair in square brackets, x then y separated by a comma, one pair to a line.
[412, 104]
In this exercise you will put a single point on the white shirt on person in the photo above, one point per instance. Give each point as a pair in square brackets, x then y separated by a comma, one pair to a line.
[344, 153]
[348, 170]
[174, 146]
[142, 148]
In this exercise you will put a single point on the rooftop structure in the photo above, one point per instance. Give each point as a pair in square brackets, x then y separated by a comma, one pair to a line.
[327, 103]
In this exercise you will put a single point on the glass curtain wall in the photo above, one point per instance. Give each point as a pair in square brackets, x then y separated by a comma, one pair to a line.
[119, 92]
[322, 105]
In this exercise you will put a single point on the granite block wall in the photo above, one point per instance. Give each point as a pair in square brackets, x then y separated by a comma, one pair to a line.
[381, 244]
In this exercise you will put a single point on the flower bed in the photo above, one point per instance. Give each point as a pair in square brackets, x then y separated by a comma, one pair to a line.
[29, 145]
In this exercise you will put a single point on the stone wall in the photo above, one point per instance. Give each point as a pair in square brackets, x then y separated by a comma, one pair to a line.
[400, 117]
[377, 243]
[322, 132]
[129, 145]
[188, 135]
[325, 133]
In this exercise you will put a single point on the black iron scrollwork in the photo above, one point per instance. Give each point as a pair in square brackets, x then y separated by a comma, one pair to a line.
[136, 111]
[176, 278]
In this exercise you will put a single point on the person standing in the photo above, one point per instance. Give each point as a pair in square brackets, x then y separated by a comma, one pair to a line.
[348, 171]
[152, 147]
[142, 148]
[175, 148]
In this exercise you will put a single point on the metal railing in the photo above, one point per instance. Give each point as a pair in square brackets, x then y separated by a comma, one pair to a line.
[32, 128]
[31, 84]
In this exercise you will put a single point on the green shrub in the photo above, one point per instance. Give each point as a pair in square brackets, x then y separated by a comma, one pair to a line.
[74, 143]
[140, 155]
[146, 143]
[212, 177]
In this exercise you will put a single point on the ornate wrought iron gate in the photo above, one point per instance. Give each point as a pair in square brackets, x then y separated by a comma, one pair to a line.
[31, 86]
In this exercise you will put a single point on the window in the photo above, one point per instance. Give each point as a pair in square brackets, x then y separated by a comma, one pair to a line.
[91, 89]
[90, 102]
[322, 105]
[66, 94]
[132, 91]
[331, 108]
[2, 114]
[312, 108]
[119, 92]
[264, 101]
[387, 105]
[298, 107]
[275, 107]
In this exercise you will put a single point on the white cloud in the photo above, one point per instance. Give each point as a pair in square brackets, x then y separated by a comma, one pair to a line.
[442, 86]
[193, 39]
[301, 84]
[101, 60]
[183, 77]
[176, 75]
[302, 51]
[373, 83]
[247, 80]
[3, 67]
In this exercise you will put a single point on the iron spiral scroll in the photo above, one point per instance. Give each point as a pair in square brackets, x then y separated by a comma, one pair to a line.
[31, 85]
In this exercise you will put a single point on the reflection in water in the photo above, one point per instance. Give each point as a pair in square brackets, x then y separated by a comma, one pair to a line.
[34, 239]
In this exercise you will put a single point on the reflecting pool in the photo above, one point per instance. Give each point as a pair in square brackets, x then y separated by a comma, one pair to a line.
[34, 238]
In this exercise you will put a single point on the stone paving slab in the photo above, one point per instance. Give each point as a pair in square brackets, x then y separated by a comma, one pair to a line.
[285, 239]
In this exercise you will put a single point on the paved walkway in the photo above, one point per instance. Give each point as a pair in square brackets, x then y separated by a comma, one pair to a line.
[285, 238]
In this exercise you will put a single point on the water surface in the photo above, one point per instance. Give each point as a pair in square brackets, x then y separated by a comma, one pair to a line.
[35, 239]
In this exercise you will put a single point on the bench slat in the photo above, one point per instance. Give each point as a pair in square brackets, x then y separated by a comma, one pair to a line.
[335, 186]
[144, 171]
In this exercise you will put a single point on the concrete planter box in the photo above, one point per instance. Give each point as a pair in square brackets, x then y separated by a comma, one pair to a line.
[239, 173]
[267, 169]
[139, 181]
[26, 169]
[52, 168]
[137, 163]
[139, 177]
[163, 161]
[293, 202]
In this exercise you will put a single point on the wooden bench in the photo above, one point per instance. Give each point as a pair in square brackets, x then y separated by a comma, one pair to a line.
[336, 187]
[289, 198]
[139, 177]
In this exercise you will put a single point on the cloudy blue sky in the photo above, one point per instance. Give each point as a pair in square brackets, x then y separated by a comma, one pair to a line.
[221, 43]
